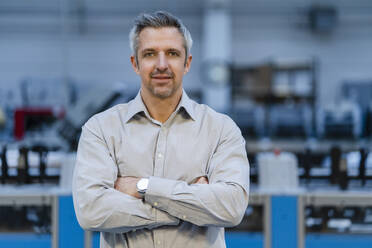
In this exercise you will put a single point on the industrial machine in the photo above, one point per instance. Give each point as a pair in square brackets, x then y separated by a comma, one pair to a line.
[290, 121]
[92, 101]
[360, 92]
[31, 164]
[342, 120]
[31, 177]
[282, 96]
[37, 163]
[250, 118]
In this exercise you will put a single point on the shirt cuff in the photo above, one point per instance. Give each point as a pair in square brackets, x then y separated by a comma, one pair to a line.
[159, 191]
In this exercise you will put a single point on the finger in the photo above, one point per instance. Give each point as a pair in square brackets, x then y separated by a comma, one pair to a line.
[202, 180]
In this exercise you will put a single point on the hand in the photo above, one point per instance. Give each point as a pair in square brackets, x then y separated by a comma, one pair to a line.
[128, 185]
[201, 180]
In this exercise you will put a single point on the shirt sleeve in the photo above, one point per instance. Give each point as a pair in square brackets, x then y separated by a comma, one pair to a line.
[98, 206]
[223, 201]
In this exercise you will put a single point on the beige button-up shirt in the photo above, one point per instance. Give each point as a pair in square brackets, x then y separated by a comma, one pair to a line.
[195, 141]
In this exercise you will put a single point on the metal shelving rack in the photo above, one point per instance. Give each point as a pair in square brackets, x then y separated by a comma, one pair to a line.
[261, 85]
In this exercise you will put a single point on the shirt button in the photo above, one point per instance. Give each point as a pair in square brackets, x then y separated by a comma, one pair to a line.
[158, 242]
[160, 155]
[184, 217]
[155, 204]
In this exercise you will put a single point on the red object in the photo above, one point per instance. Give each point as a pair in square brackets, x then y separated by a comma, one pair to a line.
[20, 116]
[277, 152]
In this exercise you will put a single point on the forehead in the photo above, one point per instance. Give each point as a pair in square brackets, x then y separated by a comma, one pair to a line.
[160, 38]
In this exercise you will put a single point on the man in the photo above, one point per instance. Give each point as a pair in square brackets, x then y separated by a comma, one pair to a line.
[161, 170]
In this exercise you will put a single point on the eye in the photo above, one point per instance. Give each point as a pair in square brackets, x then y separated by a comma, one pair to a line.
[173, 53]
[148, 54]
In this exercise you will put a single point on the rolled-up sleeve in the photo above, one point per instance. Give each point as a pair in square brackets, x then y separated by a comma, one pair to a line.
[97, 204]
[224, 200]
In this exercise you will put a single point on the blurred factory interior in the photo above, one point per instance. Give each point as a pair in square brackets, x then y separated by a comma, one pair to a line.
[295, 75]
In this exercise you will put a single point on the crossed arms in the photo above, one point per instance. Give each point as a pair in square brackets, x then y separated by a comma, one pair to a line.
[108, 203]
[128, 185]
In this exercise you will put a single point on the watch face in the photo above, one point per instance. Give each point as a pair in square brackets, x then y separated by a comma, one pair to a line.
[142, 184]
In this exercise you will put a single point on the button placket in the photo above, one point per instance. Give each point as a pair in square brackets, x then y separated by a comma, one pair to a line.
[160, 152]
[158, 172]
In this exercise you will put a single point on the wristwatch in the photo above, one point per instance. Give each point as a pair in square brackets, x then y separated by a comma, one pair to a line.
[142, 186]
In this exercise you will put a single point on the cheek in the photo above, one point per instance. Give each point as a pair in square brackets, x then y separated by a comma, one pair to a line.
[145, 71]
[179, 69]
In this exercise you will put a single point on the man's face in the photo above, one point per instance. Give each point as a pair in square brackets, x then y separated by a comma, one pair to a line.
[161, 61]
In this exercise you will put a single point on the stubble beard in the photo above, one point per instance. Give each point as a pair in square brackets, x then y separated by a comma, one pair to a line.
[161, 93]
[165, 91]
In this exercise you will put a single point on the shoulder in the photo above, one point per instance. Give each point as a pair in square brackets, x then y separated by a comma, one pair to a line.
[109, 118]
[208, 115]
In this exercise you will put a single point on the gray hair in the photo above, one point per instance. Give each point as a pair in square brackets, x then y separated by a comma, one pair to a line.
[158, 19]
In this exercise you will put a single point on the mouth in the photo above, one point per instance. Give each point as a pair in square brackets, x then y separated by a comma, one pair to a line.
[161, 77]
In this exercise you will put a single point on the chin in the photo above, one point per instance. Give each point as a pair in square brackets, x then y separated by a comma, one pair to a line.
[163, 94]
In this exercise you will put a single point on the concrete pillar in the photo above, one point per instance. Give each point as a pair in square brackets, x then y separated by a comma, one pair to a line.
[216, 47]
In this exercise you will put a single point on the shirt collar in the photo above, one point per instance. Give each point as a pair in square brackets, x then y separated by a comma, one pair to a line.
[186, 104]
[137, 106]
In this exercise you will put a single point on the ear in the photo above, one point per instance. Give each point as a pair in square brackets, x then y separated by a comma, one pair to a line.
[187, 64]
[134, 64]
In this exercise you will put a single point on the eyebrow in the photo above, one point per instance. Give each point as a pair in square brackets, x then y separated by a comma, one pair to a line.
[148, 50]
[154, 50]
[174, 50]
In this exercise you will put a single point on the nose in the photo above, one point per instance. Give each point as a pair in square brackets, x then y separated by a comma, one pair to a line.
[162, 63]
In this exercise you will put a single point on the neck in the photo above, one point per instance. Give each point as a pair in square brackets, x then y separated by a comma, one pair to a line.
[161, 109]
